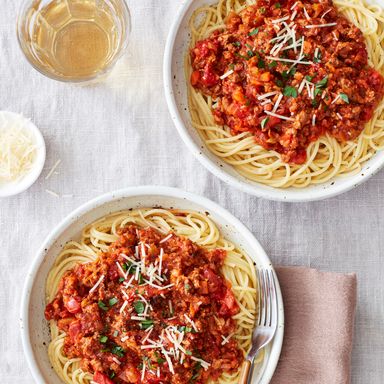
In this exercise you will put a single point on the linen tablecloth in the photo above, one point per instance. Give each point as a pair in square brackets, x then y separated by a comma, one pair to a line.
[119, 134]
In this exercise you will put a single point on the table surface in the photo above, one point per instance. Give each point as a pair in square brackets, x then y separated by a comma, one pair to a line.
[118, 134]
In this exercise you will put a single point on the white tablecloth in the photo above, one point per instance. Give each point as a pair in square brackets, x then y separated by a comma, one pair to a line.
[119, 134]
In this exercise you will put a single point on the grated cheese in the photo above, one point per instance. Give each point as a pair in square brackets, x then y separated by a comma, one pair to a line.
[229, 73]
[93, 289]
[279, 116]
[52, 193]
[18, 151]
[53, 169]
[321, 25]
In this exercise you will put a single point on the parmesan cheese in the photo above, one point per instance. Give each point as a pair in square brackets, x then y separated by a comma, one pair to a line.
[18, 150]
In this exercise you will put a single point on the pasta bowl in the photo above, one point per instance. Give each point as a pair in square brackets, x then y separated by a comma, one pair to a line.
[34, 327]
[176, 91]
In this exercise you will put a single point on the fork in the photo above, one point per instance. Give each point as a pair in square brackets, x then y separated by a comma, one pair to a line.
[266, 326]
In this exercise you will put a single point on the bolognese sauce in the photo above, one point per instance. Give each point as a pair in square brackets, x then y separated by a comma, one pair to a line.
[288, 72]
[152, 309]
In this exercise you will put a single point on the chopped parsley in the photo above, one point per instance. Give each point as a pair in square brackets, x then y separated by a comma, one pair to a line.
[261, 63]
[139, 307]
[116, 333]
[279, 83]
[314, 103]
[185, 329]
[262, 10]
[103, 339]
[344, 97]
[118, 351]
[102, 305]
[273, 64]
[250, 53]
[254, 32]
[237, 44]
[146, 324]
[287, 74]
[290, 91]
[121, 279]
[308, 78]
[187, 287]
[321, 85]
[277, 5]
[112, 301]
[264, 122]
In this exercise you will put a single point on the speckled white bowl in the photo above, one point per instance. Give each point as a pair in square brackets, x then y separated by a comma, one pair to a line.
[177, 99]
[34, 328]
[14, 188]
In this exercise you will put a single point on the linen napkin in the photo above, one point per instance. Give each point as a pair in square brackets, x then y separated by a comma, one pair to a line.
[319, 322]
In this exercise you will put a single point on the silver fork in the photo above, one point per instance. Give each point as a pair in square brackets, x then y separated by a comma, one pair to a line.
[266, 326]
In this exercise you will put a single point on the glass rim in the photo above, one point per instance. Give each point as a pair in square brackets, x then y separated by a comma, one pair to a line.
[76, 80]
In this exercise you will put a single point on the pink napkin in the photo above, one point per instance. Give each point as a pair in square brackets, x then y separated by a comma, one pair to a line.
[319, 322]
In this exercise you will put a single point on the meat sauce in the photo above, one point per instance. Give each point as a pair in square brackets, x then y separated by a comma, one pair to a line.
[278, 75]
[153, 309]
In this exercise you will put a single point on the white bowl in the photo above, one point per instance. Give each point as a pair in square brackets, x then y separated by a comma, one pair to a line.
[177, 98]
[14, 188]
[34, 327]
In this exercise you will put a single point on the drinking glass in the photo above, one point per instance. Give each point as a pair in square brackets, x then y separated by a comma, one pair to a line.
[73, 40]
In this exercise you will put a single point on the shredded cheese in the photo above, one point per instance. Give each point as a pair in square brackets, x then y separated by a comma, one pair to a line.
[93, 289]
[321, 25]
[229, 73]
[18, 151]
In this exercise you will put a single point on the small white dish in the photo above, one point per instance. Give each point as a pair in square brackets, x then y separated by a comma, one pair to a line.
[26, 181]
[34, 327]
[176, 93]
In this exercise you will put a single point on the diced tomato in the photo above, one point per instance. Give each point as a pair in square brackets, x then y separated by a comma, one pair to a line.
[214, 281]
[73, 305]
[74, 329]
[100, 378]
[209, 78]
[130, 374]
[195, 77]
[229, 305]
[113, 272]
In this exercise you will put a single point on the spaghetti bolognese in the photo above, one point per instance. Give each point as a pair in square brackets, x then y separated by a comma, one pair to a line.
[288, 92]
[150, 296]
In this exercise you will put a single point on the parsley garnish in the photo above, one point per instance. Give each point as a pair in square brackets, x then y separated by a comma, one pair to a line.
[290, 91]
[314, 103]
[139, 307]
[262, 10]
[160, 360]
[116, 333]
[344, 97]
[121, 279]
[103, 339]
[272, 65]
[112, 301]
[264, 122]
[279, 83]
[277, 5]
[185, 329]
[287, 74]
[261, 63]
[189, 353]
[237, 44]
[102, 305]
[146, 324]
[187, 287]
[254, 32]
[250, 53]
[118, 351]
[322, 83]
[308, 78]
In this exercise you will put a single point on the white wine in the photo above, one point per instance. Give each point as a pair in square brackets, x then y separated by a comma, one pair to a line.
[74, 39]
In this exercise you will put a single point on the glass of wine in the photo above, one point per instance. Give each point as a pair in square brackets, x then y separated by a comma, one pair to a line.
[73, 40]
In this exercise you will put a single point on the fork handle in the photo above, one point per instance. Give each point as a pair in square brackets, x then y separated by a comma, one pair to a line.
[244, 374]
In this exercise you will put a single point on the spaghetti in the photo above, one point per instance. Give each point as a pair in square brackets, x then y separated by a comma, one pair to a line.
[325, 157]
[102, 238]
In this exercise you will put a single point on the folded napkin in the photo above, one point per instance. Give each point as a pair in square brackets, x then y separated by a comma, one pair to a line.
[319, 322]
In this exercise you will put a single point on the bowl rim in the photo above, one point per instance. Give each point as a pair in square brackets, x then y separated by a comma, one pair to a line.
[257, 189]
[115, 196]
[30, 178]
